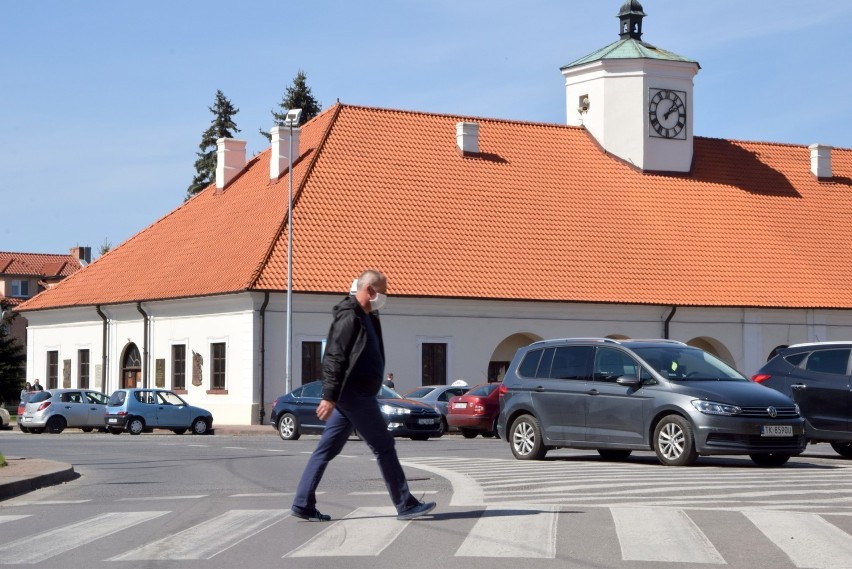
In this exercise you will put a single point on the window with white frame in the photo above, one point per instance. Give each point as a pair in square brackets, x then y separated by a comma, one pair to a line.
[217, 365]
[179, 366]
[83, 369]
[21, 288]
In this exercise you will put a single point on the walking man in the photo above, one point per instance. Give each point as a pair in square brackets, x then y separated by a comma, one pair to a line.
[352, 371]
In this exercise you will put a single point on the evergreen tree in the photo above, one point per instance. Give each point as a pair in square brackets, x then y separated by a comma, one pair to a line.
[12, 358]
[298, 96]
[104, 248]
[222, 126]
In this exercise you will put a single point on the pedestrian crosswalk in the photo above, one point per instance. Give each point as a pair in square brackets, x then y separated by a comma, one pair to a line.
[803, 486]
[656, 535]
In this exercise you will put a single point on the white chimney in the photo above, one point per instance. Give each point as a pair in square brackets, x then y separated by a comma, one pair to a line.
[820, 160]
[280, 158]
[467, 137]
[230, 160]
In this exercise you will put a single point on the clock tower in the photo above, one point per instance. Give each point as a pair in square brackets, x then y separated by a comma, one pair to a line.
[634, 98]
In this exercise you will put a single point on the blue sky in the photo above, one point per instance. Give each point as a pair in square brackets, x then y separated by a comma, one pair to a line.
[104, 102]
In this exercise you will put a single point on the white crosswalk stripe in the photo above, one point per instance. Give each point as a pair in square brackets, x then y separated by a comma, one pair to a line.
[47, 544]
[675, 538]
[533, 535]
[207, 539]
[366, 531]
[12, 518]
[807, 539]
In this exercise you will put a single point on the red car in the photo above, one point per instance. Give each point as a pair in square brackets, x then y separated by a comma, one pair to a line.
[476, 411]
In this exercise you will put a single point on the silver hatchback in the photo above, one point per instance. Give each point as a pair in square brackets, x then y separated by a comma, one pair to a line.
[54, 410]
[617, 396]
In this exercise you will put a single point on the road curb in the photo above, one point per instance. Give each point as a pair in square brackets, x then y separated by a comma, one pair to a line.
[22, 475]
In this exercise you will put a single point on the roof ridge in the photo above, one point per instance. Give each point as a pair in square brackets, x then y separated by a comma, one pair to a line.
[261, 266]
[765, 142]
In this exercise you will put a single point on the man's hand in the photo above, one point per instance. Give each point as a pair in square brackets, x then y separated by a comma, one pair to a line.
[325, 409]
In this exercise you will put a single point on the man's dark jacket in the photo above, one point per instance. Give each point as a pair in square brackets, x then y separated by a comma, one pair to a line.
[345, 342]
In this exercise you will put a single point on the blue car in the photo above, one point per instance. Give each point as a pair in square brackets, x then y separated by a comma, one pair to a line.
[142, 410]
[295, 414]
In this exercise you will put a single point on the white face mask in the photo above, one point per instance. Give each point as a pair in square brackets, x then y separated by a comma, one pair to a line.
[378, 302]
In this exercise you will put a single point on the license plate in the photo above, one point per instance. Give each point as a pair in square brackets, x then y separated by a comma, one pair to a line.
[28, 419]
[425, 421]
[461, 405]
[112, 420]
[776, 431]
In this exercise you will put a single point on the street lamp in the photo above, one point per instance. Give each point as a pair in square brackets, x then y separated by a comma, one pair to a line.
[291, 120]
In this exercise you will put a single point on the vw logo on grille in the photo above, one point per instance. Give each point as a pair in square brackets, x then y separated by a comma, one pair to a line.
[773, 412]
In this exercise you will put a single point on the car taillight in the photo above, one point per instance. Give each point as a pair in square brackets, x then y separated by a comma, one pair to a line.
[478, 409]
[760, 377]
[275, 402]
[501, 391]
[43, 406]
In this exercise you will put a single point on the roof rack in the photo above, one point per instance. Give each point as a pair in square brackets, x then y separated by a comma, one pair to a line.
[836, 343]
[658, 341]
[591, 339]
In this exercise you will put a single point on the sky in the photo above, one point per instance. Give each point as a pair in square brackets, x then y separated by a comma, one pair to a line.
[104, 102]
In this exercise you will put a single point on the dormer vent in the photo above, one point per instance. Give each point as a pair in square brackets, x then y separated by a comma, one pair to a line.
[467, 137]
[820, 160]
[230, 160]
[279, 161]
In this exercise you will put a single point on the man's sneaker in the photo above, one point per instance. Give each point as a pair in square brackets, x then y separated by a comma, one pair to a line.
[420, 509]
[314, 516]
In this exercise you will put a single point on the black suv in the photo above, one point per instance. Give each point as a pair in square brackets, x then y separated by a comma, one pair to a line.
[617, 396]
[817, 377]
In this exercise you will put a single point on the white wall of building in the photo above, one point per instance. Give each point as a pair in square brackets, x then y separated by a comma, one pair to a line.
[475, 332]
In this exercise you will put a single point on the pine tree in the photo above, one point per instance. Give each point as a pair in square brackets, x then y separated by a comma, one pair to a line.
[104, 248]
[222, 126]
[298, 96]
[12, 358]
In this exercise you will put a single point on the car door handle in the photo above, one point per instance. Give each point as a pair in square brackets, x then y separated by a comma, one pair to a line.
[594, 392]
[798, 386]
[539, 388]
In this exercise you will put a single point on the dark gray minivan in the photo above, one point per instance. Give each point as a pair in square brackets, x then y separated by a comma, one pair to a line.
[617, 396]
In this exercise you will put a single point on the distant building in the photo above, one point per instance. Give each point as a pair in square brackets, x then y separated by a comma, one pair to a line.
[24, 275]
[493, 233]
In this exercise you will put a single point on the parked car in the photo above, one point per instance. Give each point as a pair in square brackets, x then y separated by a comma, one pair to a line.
[818, 378]
[5, 419]
[438, 396]
[475, 412]
[617, 396]
[22, 406]
[54, 410]
[142, 410]
[295, 413]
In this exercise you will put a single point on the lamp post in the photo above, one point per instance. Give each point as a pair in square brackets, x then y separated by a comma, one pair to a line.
[291, 120]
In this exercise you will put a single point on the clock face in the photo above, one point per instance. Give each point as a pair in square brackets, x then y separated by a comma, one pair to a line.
[667, 113]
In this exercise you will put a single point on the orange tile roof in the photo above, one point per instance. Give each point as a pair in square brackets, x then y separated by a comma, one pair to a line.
[38, 264]
[541, 214]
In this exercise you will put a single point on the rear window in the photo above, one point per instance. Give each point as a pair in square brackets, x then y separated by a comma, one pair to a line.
[483, 390]
[795, 359]
[117, 399]
[417, 393]
[530, 364]
[39, 396]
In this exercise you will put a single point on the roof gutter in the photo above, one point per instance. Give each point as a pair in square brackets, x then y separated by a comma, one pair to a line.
[263, 356]
[104, 338]
[668, 320]
[145, 319]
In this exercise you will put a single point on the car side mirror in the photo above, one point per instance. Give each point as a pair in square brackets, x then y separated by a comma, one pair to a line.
[630, 380]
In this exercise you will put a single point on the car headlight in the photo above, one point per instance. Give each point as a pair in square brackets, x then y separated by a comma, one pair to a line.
[713, 408]
[393, 410]
[797, 409]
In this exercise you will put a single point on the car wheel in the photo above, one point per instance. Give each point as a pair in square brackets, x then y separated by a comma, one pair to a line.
[87, 429]
[673, 441]
[613, 454]
[178, 431]
[23, 429]
[770, 458]
[136, 426]
[843, 449]
[468, 434]
[525, 439]
[288, 427]
[55, 424]
[116, 431]
[200, 426]
[37, 430]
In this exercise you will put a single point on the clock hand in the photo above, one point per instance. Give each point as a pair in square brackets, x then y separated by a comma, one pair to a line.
[670, 111]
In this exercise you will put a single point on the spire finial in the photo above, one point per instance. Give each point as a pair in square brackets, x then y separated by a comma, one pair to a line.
[630, 20]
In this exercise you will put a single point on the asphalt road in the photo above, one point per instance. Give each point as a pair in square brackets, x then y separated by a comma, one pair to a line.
[163, 500]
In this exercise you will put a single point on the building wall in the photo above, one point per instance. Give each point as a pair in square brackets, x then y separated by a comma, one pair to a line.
[476, 333]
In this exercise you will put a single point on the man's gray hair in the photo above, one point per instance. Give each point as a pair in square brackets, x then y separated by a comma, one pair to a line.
[370, 277]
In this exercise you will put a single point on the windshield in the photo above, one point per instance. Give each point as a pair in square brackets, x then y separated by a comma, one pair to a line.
[685, 363]
[417, 393]
[387, 393]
